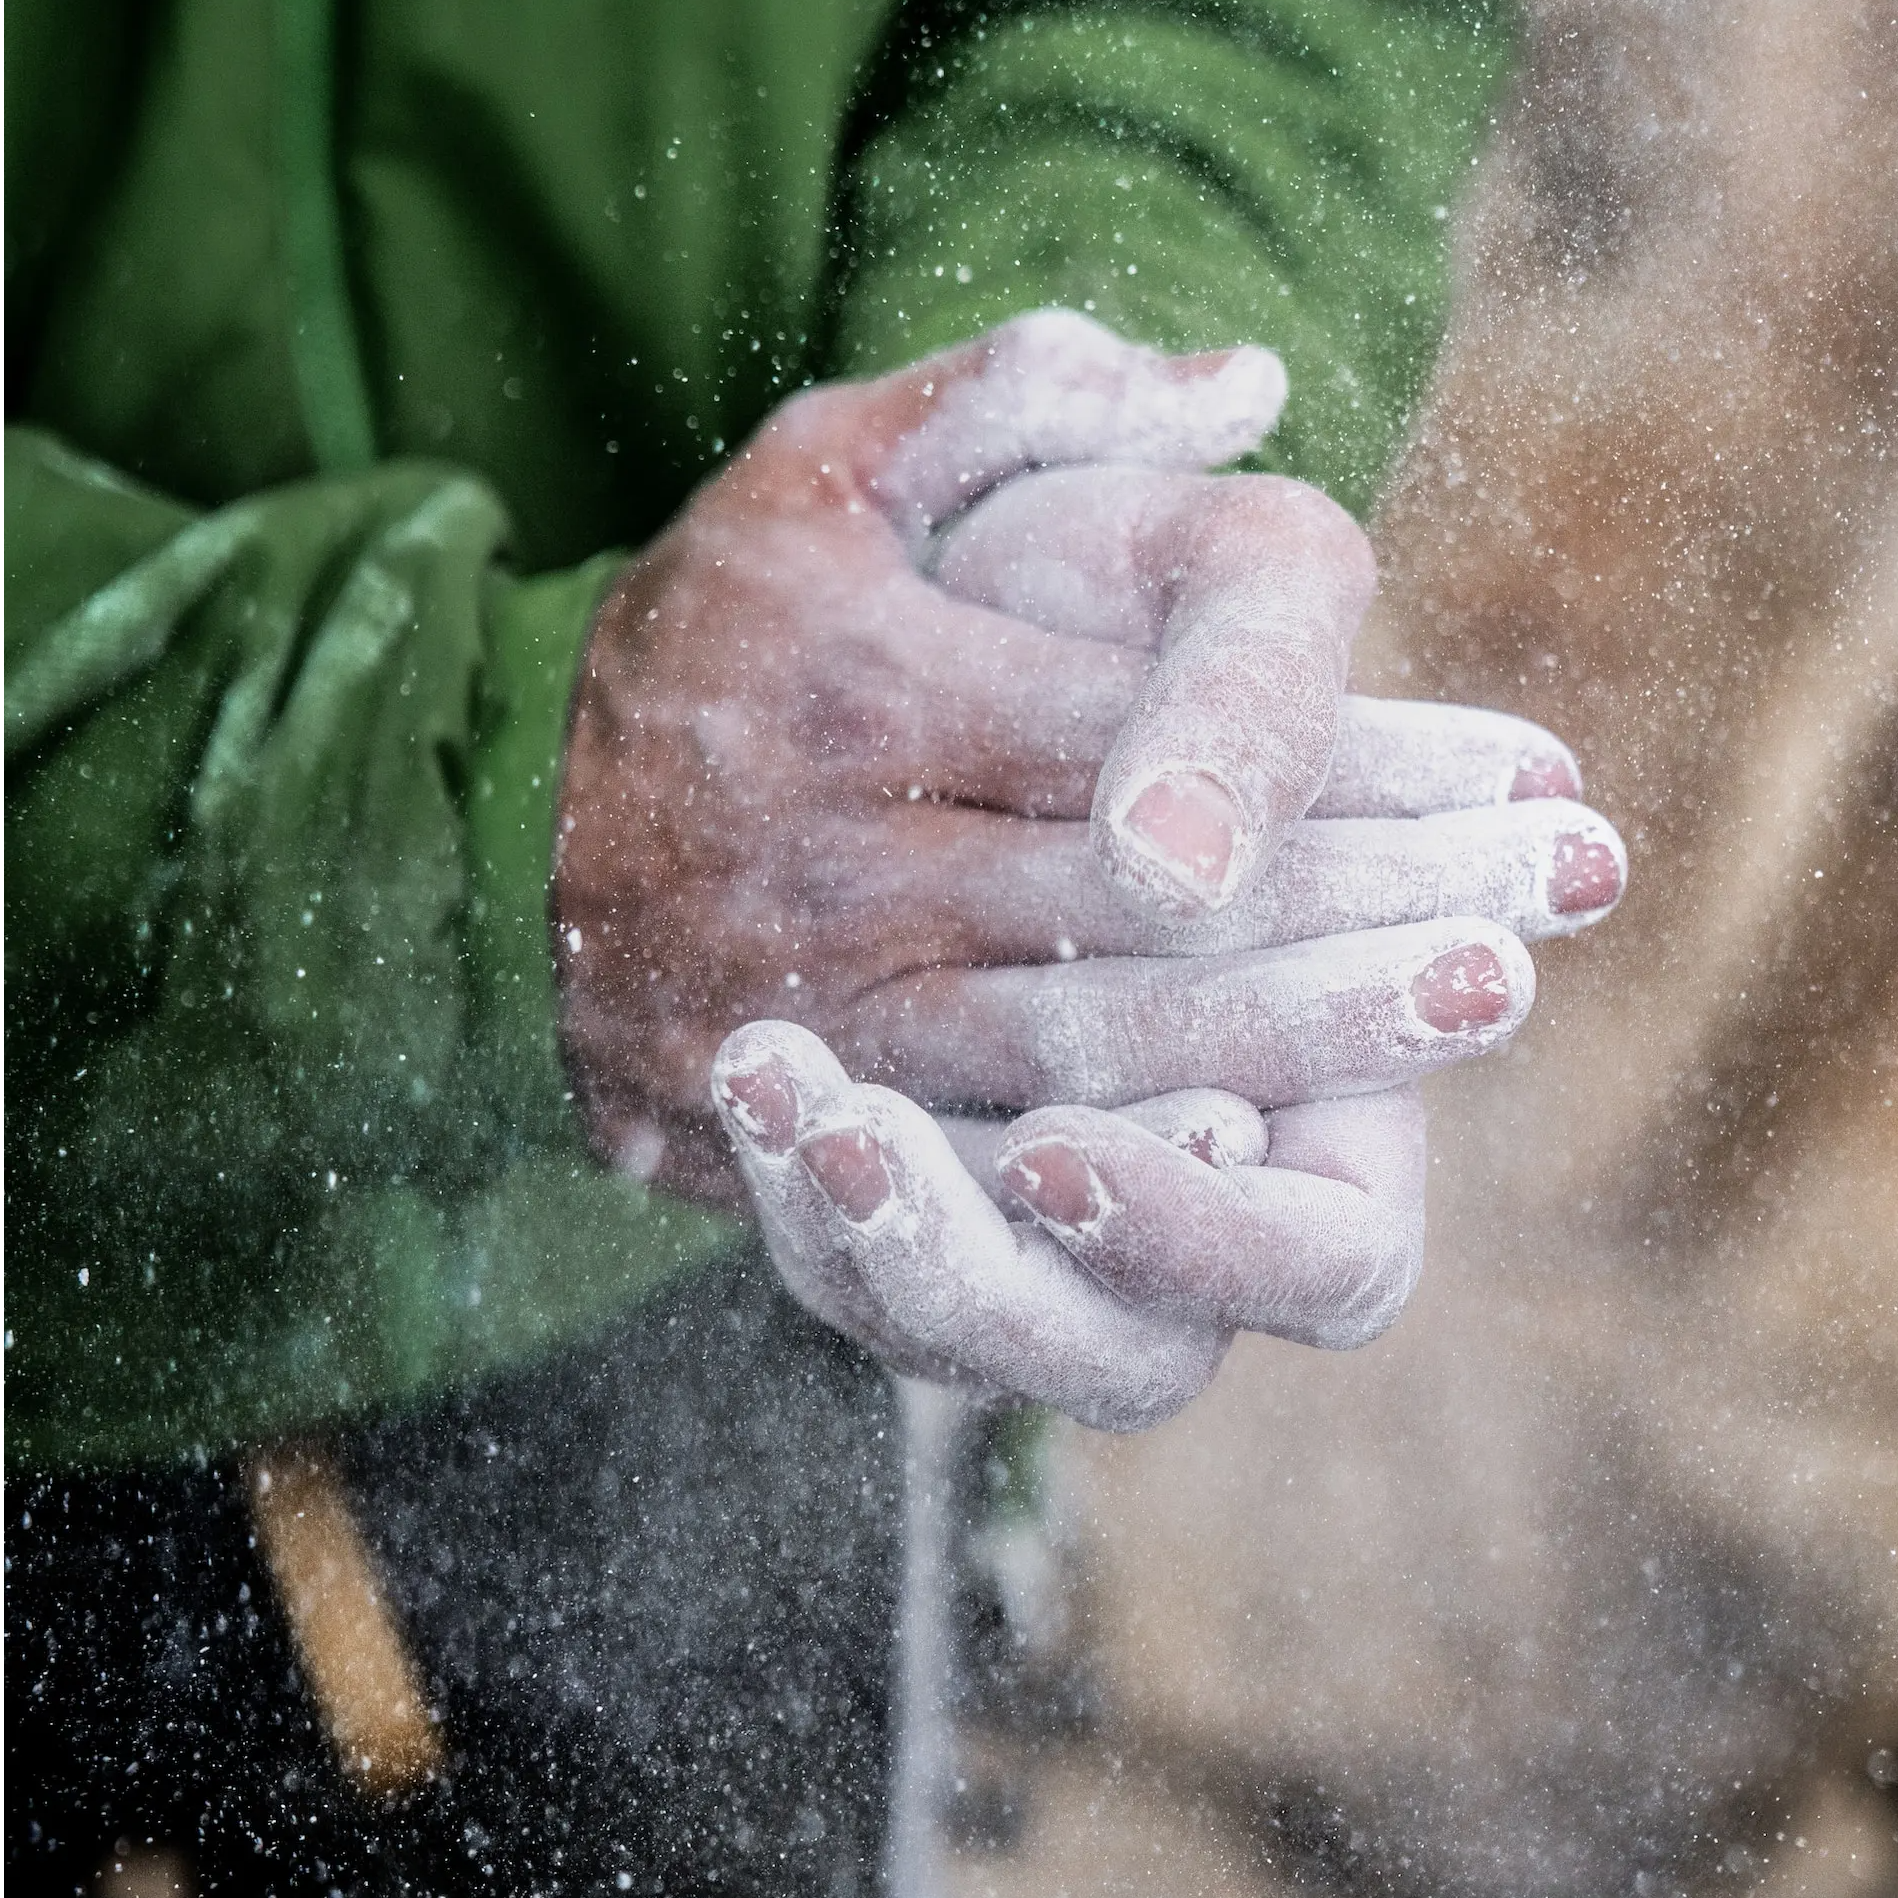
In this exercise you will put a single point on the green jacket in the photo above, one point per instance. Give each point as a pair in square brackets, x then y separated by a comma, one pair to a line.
[351, 346]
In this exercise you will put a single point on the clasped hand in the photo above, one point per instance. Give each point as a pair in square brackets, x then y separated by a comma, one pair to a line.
[964, 749]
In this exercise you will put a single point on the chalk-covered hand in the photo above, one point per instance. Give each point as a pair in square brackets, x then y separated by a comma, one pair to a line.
[1241, 1144]
[1158, 1230]
[1163, 1214]
[806, 779]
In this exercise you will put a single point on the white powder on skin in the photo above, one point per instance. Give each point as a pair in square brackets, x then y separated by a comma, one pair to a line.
[1274, 1026]
[1223, 612]
[1056, 387]
[1243, 595]
[936, 1279]
[1442, 763]
[1323, 1246]
[1330, 877]
[1127, 1317]
[1217, 1128]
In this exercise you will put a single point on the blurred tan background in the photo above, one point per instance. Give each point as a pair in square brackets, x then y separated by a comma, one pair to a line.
[1585, 1579]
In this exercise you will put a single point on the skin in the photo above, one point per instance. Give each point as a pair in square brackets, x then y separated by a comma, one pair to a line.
[960, 738]
[1158, 1231]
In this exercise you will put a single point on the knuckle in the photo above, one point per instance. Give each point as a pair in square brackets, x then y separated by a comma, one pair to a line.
[805, 422]
[1327, 526]
[1051, 329]
[817, 403]
[1054, 345]
[1304, 522]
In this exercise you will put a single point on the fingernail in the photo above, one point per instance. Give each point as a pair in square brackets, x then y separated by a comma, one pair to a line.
[1545, 777]
[1054, 1180]
[1203, 1143]
[1190, 826]
[1465, 989]
[1585, 876]
[848, 1164]
[764, 1104]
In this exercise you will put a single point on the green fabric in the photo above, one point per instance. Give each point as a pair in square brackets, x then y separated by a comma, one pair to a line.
[1278, 173]
[287, 1129]
[323, 347]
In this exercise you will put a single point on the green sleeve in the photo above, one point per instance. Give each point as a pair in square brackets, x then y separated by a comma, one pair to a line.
[1274, 171]
[288, 1133]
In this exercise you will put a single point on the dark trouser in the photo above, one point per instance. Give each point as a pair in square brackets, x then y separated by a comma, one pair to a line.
[650, 1587]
